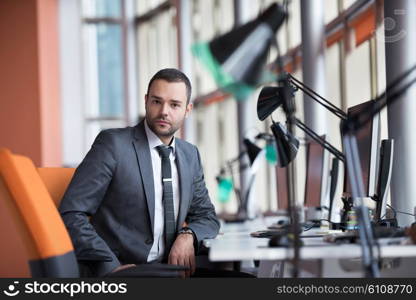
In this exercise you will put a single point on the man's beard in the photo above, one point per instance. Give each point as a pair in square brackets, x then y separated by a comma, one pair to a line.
[168, 133]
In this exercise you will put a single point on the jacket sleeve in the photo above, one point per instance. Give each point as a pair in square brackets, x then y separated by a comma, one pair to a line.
[201, 216]
[82, 199]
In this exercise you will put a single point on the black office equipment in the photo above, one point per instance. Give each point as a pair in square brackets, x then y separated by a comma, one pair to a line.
[392, 93]
[282, 188]
[270, 98]
[333, 185]
[236, 59]
[367, 142]
[384, 177]
[314, 174]
[287, 145]
[281, 241]
[354, 237]
[269, 233]
[253, 153]
[150, 270]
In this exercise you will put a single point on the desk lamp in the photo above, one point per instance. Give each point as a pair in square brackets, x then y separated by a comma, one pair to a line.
[272, 97]
[225, 185]
[236, 59]
[348, 129]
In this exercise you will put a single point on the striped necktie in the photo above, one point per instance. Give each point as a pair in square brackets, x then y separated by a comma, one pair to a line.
[167, 198]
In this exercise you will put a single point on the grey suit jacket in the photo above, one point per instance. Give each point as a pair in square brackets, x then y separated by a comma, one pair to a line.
[109, 206]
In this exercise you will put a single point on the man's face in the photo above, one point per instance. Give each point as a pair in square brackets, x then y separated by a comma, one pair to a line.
[166, 108]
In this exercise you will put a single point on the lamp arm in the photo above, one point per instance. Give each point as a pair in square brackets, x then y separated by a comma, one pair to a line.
[289, 108]
[237, 191]
[236, 159]
[318, 98]
[338, 154]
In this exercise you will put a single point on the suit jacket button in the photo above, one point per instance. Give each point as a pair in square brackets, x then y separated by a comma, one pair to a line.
[149, 241]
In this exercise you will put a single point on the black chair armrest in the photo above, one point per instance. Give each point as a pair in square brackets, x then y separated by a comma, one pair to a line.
[150, 271]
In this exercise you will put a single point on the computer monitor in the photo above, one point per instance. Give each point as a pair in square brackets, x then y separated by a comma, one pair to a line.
[314, 174]
[368, 142]
[333, 185]
[384, 177]
[282, 188]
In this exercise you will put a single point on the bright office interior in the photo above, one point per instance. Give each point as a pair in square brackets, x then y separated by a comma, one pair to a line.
[74, 68]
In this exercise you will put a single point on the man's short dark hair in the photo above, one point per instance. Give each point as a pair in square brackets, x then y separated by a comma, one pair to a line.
[173, 75]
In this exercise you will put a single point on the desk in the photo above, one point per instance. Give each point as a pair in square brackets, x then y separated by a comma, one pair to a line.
[236, 244]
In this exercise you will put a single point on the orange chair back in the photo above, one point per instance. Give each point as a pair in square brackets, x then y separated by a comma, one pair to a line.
[13, 253]
[56, 181]
[44, 234]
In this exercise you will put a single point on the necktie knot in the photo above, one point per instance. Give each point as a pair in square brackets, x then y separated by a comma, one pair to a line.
[164, 151]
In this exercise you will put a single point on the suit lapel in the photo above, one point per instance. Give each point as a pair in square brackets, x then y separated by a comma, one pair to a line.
[141, 146]
[185, 182]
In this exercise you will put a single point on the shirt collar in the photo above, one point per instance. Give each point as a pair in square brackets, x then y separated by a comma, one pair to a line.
[154, 140]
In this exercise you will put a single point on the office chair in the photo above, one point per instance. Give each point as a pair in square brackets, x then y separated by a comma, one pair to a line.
[56, 181]
[48, 246]
[32, 197]
[13, 254]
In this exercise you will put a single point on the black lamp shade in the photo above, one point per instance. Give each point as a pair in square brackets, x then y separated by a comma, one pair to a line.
[287, 145]
[242, 52]
[269, 100]
[239, 56]
[252, 150]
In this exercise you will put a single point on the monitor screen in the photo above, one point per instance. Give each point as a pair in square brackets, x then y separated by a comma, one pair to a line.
[314, 174]
[384, 177]
[367, 142]
[282, 188]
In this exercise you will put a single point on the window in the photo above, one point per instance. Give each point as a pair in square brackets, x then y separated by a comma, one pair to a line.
[156, 41]
[104, 50]
[358, 75]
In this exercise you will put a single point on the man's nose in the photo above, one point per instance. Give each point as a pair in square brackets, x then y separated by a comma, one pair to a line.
[164, 109]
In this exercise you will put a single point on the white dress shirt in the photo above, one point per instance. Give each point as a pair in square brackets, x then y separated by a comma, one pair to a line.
[156, 252]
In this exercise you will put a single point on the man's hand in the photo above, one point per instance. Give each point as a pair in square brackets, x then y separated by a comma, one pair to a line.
[122, 267]
[183, 253]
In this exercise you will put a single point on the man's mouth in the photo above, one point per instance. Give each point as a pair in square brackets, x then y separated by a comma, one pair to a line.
[162, 122]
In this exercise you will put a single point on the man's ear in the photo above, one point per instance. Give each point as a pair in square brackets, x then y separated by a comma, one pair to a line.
[146, 98]
[188, 110]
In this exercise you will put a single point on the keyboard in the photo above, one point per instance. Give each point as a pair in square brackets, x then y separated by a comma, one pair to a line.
[388, 232]
[269, 233]
[352, 236]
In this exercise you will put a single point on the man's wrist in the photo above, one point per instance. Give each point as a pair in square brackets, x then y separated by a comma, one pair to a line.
[195, 240]
[186, 230]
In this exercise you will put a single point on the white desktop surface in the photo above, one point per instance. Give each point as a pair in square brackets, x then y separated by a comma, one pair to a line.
[234, 243]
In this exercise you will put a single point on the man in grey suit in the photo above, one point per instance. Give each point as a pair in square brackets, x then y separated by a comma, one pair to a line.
[113, 207]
